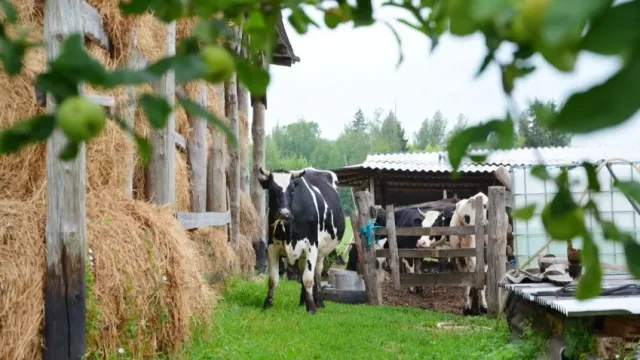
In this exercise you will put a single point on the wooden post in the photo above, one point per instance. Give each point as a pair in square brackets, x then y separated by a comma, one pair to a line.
[373, 296]
[243, 108]
[197, 151]
[393, 247]
[65, 291]
[496, 247]
[257, 134]
[231, 111]
[161, 173]
[217, 164]
[479, 235]
[358, 244]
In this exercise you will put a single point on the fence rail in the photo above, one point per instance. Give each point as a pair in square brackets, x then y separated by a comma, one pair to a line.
[429, 231]
[192, 220]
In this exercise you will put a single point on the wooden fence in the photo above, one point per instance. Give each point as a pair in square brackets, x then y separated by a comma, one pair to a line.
[496, 255]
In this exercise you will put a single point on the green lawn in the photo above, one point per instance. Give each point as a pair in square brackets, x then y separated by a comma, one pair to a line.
[242, 330]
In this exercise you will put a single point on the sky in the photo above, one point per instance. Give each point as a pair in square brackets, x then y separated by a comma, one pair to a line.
[344, 69]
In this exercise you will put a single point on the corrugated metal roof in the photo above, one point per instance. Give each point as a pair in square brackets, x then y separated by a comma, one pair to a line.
[438, 161]
[569, 306]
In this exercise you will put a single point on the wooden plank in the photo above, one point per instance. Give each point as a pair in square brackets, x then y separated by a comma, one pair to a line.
[160, 173]
[441, 279]
[508, 199]
[197, 220]
[373, 296]
[197, 156]
[428, 253]
[231, 111]
[65, 289]
[102, 100]
[181, 142]
[479, 237]
[436, 230]
[393, 247]
[217, 164]
[496, 247]
[92, 25]
[428, 203]
[358, 244]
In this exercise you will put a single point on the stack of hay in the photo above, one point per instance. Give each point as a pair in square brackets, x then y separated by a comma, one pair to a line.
[146, 280]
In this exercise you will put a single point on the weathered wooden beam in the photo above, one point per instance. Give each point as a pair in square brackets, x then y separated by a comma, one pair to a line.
[217, 164]
[360, 266]
[442, 279]
[160, 173]
[427, 253]
[197, 220]
[479, 238]
[258, 137]
[92, 25]
[243, 143]
[430, 231]
[393, 248]
[197, 155]
[65, 290]
[231, 111]
[103, 100]
[496, 247]
[373, 296]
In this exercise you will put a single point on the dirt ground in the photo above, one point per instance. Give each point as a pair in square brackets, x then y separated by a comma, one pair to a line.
[441, 298]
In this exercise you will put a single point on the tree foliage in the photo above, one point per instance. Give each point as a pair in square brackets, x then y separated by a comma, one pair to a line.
[533, 133]
[557, 31]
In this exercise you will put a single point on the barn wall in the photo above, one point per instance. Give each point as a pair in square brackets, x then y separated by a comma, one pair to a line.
[529, 235]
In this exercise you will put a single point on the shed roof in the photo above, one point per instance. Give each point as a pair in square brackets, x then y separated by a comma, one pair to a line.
[438, 162]
[283, 54]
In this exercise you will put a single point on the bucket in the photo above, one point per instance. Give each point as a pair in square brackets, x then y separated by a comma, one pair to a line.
[349, 282]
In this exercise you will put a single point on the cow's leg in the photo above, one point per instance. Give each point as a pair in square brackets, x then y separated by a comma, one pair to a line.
[418, 268]
[308, 277]
[483, 298]
[409, 264]
[273, 254]
[317, 288]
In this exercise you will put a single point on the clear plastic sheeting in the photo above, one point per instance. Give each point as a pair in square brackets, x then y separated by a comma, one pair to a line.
[529, 235]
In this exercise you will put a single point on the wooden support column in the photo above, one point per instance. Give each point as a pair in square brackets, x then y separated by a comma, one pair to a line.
[258, 196]
[393, 247]
[161, 173]
[243, 109]
[217, 164]
[479, 235]
[197, 151]
[65, 290]
[231, 111]
[497, 247]
[358, 243]
[373, 296]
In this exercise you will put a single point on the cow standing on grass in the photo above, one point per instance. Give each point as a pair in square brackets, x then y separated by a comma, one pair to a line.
[305, 215]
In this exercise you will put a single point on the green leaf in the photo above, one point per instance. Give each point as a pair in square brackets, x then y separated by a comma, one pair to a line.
[632, 253]
[156, 108]
[300, 20]
[332, 18]
[9, 11]
[540, 171]
[255, 22]
[485, 10]
[197, 110]
[123, 76]
[165, 10]
[593, 208]
[589, 284]
[478, 158]
[606, 105]
[69, 152]
[459, 143]
[12, 54]
[616, 31]
[144, 149]
[254, 77]
[363, 13]
[524, 213]
[564, 21]
[26, 132]
[592, 177]
[629, 188]
[135, 7]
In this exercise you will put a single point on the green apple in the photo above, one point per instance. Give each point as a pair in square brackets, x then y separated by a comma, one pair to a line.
[80, 118]
[220, 64]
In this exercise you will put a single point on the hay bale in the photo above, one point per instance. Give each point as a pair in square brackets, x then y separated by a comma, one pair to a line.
[222, 258]
[183, 187]
[248, 218]
[245, 255]
[135, 247]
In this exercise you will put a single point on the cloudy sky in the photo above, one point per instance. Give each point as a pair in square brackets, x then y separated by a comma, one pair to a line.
[345, 68]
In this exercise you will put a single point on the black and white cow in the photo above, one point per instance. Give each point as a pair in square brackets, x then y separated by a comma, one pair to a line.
[437, 218]
[305, 215]
[409, 217]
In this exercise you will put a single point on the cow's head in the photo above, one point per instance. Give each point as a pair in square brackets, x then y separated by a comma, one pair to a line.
[431, 218]
[466, 209]
[281, 188]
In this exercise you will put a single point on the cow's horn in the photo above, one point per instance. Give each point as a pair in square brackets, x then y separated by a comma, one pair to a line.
[423, 214]
[298, 173]
[263, 172]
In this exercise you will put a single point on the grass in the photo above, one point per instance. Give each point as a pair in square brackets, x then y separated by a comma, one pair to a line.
[242, 330]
